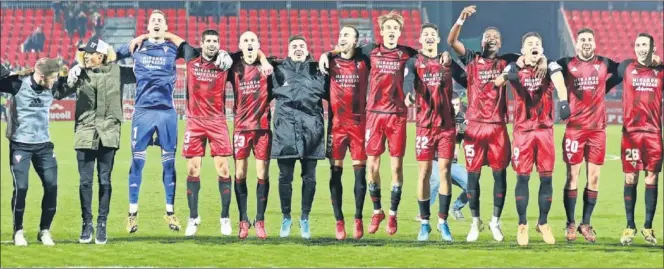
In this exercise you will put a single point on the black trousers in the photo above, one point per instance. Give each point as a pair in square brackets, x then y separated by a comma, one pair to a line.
[86, 158]
[43, 159]
[286, 170]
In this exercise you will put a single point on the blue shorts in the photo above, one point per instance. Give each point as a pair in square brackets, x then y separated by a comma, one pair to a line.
[144, 124]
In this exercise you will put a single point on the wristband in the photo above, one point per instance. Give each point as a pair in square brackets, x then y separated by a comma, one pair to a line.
[460, 21]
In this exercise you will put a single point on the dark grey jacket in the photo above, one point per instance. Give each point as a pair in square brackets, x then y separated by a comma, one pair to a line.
[299, 89]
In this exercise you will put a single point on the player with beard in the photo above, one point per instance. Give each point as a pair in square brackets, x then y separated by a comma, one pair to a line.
[641, 147]
[432, 84]
[347, 86]
[155, 70]
[207, 121]
[588, 78]
[486, 140]
[30, 141]
[533, 130]
[252, 86]
[386, 113]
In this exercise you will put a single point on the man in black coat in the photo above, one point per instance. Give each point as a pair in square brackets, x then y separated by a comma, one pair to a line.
[298, 134]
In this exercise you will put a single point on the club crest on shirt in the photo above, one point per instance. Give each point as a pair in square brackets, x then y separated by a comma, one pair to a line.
[399, 53]
[634, 72]
[634, 163]
[165, 49]
[569, 156]
[574, 69]
[597, 67]
[18, 157]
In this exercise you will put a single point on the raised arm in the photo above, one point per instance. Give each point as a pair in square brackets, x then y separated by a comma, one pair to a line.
[453, 36]
[62, 90]
[9, 82]
[123, 51]
[174, 39]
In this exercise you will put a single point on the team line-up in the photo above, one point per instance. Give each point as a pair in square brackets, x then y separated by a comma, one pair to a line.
[369, 90]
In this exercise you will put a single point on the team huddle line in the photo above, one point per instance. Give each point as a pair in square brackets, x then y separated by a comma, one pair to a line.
[369, 90]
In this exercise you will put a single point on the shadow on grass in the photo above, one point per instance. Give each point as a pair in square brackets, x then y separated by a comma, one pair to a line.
[396, 243]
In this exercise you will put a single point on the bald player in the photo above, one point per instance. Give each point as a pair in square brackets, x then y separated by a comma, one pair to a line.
[252, 86]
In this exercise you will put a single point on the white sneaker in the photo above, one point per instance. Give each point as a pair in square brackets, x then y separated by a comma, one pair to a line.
[474, 233]
[226, 226]
[19, 239]
[44, 236]
[496, 231]
[192, 226]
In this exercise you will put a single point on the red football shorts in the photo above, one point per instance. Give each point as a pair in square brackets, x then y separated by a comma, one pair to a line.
[533, 147]
[580, 144]
[260, 141]
[486, 144]
[381, 126]
[429, 141]
[199, 131]
[342, 137]
[641, 151]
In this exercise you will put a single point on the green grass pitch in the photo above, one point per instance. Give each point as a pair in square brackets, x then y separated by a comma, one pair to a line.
[155, 245]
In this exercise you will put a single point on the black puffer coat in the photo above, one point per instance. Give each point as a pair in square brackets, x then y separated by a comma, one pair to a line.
[299, 89]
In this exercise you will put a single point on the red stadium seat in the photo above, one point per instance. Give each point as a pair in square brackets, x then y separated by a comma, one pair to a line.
[122, 12]
[111, 13]
[131, 12]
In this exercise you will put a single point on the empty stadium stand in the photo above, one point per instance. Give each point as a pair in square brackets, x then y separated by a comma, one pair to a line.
[273, 27]
[615, 31]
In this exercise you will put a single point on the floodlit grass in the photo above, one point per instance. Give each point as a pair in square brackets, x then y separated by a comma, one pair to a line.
[155, 245]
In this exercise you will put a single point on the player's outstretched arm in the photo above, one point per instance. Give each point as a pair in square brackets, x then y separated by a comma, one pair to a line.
[558, 80]
[324, 59]
[612, 68]
[459, 74]
[409, 82]
[510, 73]
[175, 39]
[10, 84]
[266, 65]
[453, 36]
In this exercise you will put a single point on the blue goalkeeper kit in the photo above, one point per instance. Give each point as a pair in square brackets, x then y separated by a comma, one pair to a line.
[155, 70]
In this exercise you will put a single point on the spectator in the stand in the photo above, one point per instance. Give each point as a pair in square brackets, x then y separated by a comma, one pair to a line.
[34, 42]
[3, 106]
[57, 9]
[98, 24]
[82, 24]
[70, 23]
